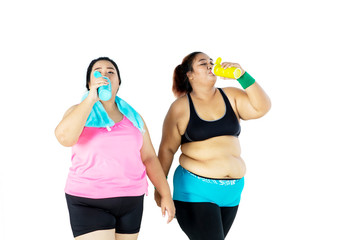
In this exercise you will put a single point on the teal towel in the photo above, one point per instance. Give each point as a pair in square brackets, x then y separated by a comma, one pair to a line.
[99, 118]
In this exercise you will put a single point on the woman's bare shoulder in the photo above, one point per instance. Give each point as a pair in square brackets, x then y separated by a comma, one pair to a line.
[179, 107]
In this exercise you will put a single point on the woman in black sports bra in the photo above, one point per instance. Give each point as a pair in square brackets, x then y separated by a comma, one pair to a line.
[204, 123]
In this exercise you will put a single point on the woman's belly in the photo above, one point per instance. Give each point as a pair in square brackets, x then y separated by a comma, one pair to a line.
[217, 157]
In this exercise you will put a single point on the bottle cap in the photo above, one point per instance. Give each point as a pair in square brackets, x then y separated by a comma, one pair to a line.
[218, 60]
[97, 74]
[216, 65]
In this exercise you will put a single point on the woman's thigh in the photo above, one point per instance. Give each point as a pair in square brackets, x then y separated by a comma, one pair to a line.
[200, 220]
[228, 215]
[127, 236]
[98, 235]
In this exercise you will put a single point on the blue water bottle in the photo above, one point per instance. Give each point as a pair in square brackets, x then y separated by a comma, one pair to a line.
[103, 91]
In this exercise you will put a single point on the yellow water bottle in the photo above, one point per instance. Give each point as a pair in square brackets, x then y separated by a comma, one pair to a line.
[231, 72]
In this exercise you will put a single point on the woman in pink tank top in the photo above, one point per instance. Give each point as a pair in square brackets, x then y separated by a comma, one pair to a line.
[107, 182]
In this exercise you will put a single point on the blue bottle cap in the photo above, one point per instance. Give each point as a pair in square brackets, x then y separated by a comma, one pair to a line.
[97, 74]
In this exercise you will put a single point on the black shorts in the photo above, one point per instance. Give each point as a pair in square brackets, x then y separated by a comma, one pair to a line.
[88, 215]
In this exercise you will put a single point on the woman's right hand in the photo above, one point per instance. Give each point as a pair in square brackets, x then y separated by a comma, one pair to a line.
[95, 83]
[157, 198]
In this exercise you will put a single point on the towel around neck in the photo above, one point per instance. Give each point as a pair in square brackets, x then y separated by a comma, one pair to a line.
[99, 118]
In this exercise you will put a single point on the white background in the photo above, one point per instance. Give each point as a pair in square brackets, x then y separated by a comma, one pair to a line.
[302, 157]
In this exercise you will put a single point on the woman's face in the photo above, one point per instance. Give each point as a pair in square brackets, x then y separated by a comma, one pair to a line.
[202, 66]
[108, 70]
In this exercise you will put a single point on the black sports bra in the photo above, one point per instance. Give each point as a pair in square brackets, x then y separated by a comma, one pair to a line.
[199, 129]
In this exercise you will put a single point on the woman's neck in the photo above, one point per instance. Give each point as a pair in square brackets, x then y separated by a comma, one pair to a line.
[109, 105]
[203, 93]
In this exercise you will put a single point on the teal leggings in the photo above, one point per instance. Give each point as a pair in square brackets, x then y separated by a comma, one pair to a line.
[205, 208]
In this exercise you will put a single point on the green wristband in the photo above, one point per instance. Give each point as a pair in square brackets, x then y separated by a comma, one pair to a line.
[246, 80]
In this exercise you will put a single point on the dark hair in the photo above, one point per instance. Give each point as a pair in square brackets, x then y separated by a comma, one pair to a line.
[88, 73]
[181, 84]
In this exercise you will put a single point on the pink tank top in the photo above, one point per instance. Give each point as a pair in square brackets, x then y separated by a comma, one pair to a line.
[108, 164]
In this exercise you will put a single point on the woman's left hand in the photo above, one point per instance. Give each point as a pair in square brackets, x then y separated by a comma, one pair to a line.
[167, 205]
[230, 64]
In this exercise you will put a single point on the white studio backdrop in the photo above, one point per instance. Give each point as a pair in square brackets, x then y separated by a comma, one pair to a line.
[302, 180]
